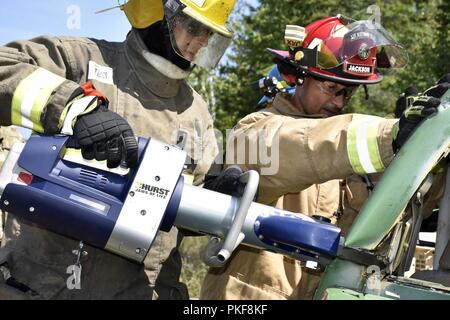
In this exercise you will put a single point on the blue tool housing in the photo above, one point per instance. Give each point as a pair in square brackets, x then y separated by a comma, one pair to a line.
[70, 198]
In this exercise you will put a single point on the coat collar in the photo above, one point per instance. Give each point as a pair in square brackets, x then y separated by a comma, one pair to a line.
[282, 105]
[159, 75]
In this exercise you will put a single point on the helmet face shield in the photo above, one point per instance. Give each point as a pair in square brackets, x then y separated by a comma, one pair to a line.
[195, 41]
[362, 46]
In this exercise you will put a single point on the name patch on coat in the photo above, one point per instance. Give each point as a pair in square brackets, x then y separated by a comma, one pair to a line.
[100, 73]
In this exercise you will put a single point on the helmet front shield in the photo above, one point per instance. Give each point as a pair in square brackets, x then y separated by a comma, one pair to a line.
[360, 41]
[196, 40]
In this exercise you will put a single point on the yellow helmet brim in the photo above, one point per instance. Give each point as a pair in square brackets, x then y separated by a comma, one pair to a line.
[223, 30]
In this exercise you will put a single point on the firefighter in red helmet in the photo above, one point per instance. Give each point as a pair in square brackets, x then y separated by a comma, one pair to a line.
[324, 157]
[336, 55]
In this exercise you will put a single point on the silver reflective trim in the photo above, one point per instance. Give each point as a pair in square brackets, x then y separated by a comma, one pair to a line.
[144, 208]
[91, 203]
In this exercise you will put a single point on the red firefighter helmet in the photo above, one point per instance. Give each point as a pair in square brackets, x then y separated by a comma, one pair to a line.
[344, 50]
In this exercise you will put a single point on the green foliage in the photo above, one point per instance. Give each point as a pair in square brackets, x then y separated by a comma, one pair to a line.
[194, 270]
[442, 38]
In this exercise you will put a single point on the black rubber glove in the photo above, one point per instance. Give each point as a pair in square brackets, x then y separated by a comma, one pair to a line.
[104, 135]
[417, 108]
[226, 182]
[402, 101]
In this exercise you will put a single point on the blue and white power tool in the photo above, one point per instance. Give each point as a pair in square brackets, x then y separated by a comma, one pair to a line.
[121, 210]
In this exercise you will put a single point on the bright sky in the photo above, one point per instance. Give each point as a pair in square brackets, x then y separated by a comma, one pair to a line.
[23, 19]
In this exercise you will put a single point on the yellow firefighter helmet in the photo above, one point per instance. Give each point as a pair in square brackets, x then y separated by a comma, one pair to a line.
[212, 13]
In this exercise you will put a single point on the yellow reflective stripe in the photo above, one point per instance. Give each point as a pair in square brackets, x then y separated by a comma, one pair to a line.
[188, 178]
[64, 114]
[372, 142]
[31, 97]
[76, 108]
[362, 145]
[66, 109]
[395, 131]
[23, 98]
[352, 150]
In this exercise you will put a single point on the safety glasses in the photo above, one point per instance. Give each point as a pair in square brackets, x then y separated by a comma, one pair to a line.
[194, 27]
[335, 89]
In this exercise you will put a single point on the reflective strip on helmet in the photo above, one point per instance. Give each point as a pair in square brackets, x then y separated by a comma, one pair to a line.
[199, 3]
[31, 97]
[362, 145]
[314, 43]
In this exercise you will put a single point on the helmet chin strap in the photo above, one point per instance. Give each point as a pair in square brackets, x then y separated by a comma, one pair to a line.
[366, 92]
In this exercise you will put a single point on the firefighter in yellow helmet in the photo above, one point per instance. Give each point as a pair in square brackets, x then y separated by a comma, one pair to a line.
[197, 29]
[104, 94]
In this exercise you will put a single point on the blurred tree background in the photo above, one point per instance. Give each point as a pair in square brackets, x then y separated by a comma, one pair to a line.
[422, 27]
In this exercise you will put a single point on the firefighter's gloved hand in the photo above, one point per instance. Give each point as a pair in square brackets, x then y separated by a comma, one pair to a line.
[402, 102]
[104, 135]
[440, 88]
[444, 78]
[226, 182]
[420, 107]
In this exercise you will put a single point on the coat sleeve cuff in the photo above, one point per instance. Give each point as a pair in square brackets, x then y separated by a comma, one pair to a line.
[50, 118]
[385, 138]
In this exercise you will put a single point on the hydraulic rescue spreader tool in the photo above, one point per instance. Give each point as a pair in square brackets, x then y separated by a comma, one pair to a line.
[121, 210]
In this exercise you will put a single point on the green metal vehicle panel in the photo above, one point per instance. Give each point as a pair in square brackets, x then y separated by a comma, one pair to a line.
[347, 280]
[342, 273]
[401, 179]
[413, 289]
[347, 294]
[392, 289]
